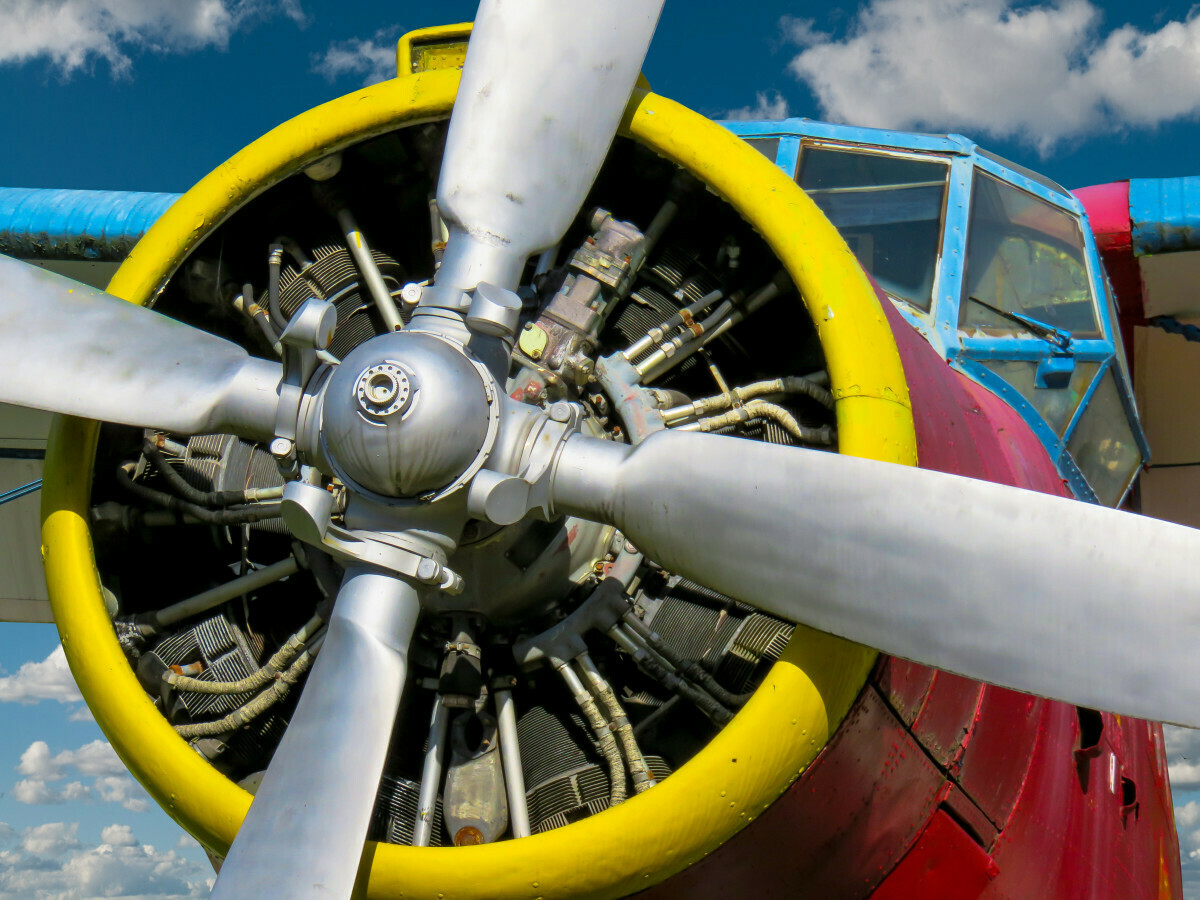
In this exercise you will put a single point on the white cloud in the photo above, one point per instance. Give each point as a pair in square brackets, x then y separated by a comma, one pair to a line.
[1040, 73]
[96, 760]
[187, 842]
[35, 792]
[768, 106]
[1187, 825]
[71, 34]
[50, 862]
[52, 839]
[49, 679]
[124, 790]
[373, 59]
[118, 836]
[1183, 757]
[37, 761]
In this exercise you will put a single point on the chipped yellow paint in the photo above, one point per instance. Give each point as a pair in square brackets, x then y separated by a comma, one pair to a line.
[747, 766]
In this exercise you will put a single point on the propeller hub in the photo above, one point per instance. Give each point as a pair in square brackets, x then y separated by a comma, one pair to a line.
[408, 414]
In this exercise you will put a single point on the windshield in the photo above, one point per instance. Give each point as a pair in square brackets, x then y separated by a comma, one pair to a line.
[1024, 256]
[887, 208]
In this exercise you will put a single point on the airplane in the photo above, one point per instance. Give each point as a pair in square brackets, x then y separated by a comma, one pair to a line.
[553, 422]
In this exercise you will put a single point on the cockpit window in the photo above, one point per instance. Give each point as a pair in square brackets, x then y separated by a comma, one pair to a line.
[1024, 257]
[887, 208]
[768, 147]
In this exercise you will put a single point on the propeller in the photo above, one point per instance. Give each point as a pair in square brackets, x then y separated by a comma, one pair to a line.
[542, 92]
[73, 349]
[995, 583]
[319, 786]
[537, 109]
[1016, 588]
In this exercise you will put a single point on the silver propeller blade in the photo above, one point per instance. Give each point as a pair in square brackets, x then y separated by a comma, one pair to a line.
[1038, 593]
[73, 349]
[542, 92]
[303, 837]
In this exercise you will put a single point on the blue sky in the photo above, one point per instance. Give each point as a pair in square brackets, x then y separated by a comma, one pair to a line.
[152, 94]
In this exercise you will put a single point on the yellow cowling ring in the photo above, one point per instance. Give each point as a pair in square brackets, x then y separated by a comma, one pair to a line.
[749, 764]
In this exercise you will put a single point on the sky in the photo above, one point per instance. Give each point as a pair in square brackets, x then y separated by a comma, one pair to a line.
[152, 94]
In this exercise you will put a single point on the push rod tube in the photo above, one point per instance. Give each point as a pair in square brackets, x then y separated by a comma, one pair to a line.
[361, 251]
[431, 772]
[222, 593]
[510, 756]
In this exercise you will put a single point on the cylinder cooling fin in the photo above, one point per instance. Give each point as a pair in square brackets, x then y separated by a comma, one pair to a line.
[220, 612]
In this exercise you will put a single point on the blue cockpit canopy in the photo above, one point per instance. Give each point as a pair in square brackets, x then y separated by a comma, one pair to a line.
[995, 265]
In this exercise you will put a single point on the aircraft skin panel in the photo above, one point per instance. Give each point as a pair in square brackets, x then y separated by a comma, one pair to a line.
[23, 596]
[945, 862]
[51, 223]
[1165, 214]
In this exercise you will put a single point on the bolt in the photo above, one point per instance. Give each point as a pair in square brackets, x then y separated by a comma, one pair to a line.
[428, 570]
[560, 411]
[410, 294]
[281, 447]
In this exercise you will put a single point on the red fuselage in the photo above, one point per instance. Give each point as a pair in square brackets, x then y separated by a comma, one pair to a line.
[941, 787]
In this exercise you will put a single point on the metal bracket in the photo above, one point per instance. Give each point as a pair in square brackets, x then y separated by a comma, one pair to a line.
[306, 509]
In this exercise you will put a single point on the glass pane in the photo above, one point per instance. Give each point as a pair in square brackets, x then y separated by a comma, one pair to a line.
[887, 208]
[1056, 405]
[1103, 446]
[1118, 342]
[768, 147]
[1024, 256]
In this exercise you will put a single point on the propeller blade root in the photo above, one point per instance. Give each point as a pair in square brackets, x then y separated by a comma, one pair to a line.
[73, 349]
[304, 834]
[1042, 594]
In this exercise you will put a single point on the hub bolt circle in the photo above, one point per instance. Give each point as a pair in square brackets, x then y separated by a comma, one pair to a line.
[383, 389]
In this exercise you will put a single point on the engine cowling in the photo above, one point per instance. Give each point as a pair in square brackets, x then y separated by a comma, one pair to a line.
[802, 698]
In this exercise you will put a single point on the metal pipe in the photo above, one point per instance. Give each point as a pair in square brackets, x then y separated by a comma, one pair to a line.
[790, 384]
[761, 409]
[245, 303]
[719, 322]
[643, 779]
[684, 316]
[510, 756]
[689, 338]
[431, 772]
[604, 735]
[19, 492]
[279, 660]
[687, 668]
[222, 593]
[361, 251]
[250, 711]
[274, 264]
[661, 670]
